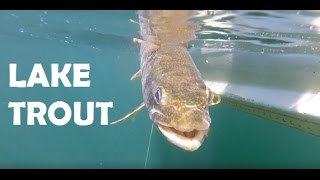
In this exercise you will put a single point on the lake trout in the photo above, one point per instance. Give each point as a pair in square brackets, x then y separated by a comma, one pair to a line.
[174, 93]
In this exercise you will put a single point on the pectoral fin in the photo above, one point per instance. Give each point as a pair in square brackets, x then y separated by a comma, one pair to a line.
[213, 97]
[133, 21]
[130, 114]
[137, 41]
[136, 75]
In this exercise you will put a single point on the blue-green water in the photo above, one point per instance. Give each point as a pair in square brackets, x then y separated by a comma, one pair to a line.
[104, 39]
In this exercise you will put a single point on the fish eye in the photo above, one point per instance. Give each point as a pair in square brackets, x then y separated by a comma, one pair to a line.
[157, 96]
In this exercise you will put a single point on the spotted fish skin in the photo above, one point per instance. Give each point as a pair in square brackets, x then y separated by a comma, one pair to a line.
[173, 90]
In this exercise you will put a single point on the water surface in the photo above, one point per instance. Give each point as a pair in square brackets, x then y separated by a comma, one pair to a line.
[104, 39]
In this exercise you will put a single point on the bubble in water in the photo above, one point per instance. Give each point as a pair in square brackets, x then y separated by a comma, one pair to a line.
[207, 61]
[21, 30]
[67, 21]
[43, 21]
[92, 29]
[311, 27]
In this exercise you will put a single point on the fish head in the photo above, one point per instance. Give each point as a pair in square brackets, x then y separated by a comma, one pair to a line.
[182, 115]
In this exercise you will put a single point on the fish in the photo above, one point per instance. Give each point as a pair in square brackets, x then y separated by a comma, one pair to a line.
[174, 92]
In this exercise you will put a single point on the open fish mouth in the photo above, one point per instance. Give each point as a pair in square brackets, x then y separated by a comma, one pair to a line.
[189, 141]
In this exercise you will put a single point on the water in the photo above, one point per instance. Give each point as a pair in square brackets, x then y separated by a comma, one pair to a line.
[104, 39]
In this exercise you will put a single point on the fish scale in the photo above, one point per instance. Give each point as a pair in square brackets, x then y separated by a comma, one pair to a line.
[173, 90]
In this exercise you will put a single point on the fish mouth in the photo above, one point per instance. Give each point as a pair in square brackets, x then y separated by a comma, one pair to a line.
[187, 140]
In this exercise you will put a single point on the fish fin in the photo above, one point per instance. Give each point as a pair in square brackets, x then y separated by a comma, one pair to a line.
[133, 21]
[216, 99]
[137, 41]
[136, 75]
[213, 97]
[130, 114]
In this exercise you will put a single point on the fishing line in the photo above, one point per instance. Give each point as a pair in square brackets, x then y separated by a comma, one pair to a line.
[145, 162]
